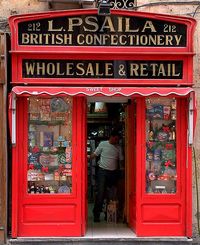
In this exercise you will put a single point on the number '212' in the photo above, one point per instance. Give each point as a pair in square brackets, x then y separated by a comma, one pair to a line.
[34, 26]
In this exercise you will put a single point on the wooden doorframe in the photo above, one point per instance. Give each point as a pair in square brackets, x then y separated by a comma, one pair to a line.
[130, 152]
[3, 137]
[82, 127]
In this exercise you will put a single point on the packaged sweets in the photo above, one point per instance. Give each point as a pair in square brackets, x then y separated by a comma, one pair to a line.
[68, 152]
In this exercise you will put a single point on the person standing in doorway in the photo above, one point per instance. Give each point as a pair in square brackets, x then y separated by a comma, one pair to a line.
[111, 156]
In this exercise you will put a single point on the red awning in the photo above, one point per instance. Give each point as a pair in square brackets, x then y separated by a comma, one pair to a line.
[106, 91]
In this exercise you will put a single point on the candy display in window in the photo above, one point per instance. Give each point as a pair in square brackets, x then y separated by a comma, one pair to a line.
[161, 146]
[49, 159]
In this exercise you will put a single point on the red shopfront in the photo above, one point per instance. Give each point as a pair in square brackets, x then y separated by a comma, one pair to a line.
[60, 63]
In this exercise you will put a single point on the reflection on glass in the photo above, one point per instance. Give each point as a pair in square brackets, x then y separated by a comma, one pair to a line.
[50, 145]
[161, 146]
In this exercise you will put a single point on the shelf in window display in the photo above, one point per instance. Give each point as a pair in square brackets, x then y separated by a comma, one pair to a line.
[56, 181]
[164, 141]
[162, 136]
[52, 123]
[49, 187]
[160, 119]
[53, 152]
[50, 177]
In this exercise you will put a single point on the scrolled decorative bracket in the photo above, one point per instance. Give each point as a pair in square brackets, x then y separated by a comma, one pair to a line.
[122, 4]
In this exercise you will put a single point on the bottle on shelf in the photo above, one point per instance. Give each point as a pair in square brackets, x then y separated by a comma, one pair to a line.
[151, 132]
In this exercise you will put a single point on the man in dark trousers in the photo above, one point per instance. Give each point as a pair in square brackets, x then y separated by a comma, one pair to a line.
[110, 154]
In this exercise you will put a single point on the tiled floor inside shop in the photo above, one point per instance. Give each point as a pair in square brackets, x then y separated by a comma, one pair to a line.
[107, 230]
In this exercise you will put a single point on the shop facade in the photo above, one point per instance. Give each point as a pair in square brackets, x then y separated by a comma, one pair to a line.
[62, 61]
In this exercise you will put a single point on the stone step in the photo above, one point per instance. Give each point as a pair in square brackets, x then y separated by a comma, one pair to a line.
[100, 241]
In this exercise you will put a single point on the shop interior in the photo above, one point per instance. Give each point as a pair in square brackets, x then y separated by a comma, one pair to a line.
[102, 118]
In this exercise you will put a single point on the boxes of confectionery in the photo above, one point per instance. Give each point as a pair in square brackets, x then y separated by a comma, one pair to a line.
[34, 105]
[40, 177]
[32, 175]
[63, 177]
[49, 176]
[34, 116]
[68, 152]
[35, 175]
[45, 114]
[58, 116]
[56, 176]
[62, 158]
[67, 172]
[33, 158]
[166, 112]
[48, 139]
[68, 166]
[44, 159]
[155, 111]
[53, 160]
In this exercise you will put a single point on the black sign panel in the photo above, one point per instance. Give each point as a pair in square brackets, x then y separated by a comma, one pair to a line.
[94, 30]
[123, 69]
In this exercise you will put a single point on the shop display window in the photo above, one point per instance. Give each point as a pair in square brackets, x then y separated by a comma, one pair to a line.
[161, 168]
[50, 145]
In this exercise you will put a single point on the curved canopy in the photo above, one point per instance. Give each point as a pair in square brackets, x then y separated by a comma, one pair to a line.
[105, 91]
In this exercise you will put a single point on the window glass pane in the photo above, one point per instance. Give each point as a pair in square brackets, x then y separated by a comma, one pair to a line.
[161, 145]
[50, 145]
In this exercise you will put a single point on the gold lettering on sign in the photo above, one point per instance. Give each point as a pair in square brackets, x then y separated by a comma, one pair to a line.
[146, 69]
[107, 24]
[40, 69]
[120, 26]
[134, 70]
[58, 70]
[154, 69]
[89, 70]
[74, 22]
[80, 39]
[34, 38]
[69, 69]
[169, 40]
[127, 29]
[25, 38]
[178, 39]
[149, 25]
[161, 71]
[68, 39]
[174, 74]
[80, 69]
[30, 68]
[108, 69]
[50, 69]
[98, 72]
[50, 26]
[92, 22]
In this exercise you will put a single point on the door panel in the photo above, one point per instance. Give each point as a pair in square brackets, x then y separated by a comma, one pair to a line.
[83, 128]
[131, 164]
[58, 213]
[161, 188]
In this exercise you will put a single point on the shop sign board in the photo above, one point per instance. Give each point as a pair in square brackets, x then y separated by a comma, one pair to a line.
[123, 69]
[94, 30]
[80, 46]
